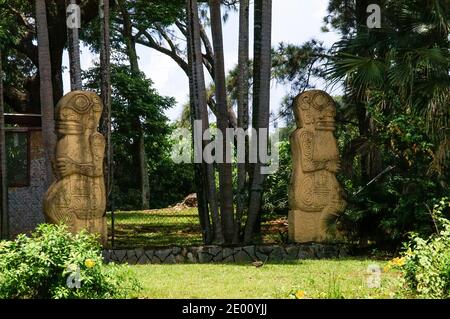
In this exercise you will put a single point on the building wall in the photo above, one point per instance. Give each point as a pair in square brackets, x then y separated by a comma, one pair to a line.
[25, 203]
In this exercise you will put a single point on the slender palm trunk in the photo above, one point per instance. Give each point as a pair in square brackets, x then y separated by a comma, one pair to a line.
[134, 65]
[225, 175]
[46, 89]
[200, 110]
[4, 233]
[261, 104]
[243, 95]
[74, 55]
[105, 89]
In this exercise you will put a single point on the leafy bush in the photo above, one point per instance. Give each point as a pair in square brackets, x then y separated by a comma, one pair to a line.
[275, 199]
[402, 186]
[426, 265]
[53, 263]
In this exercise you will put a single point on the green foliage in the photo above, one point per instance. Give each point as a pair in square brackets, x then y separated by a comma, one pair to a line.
[136, 104]
[427, 261]
[275, 198]
[394, 114]
[394, 204]
[171, 183]
[40, 266]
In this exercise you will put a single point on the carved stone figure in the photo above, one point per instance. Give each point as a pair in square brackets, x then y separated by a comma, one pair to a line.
[77, 197]
[315, 196]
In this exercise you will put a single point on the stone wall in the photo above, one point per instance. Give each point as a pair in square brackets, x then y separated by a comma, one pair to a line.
[25, 203]
[218, 254]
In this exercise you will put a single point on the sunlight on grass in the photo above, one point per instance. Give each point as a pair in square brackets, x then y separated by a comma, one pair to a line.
[173, 227]
[156, 228]
[316, 278]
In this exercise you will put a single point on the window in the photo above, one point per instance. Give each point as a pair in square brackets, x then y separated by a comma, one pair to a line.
[17, 159]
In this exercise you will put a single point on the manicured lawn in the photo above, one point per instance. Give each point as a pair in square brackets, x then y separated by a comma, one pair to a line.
[173, 227]
[316, 278]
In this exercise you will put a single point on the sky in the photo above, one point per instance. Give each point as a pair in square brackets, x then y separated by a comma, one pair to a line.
[293, 21]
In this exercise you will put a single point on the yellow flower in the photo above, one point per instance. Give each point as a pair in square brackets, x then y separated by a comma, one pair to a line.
[89, 263]
[399, 261]
[387, 268]
[300, 294]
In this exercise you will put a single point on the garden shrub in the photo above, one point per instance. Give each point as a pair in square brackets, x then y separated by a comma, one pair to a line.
[53, 263]
[275, 199]
[426, 262]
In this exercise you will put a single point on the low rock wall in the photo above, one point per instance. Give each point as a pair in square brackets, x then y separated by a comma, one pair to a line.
[219, 254]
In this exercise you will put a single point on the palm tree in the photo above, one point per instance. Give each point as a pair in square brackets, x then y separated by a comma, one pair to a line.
[407, 59]
[199, 112]
[225, 176]
[3, 184]
[261, 103]
[105, 88]
[398, 71]
[242, 101]
[74, 55]
[46, 88]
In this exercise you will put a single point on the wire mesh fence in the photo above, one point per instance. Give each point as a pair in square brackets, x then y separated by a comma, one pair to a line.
[175, 227]
[156, 228]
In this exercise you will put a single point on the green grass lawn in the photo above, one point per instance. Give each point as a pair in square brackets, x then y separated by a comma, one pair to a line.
[173, 227]
[316, 278]
[156, 228]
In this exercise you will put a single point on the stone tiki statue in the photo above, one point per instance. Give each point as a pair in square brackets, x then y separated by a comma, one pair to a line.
[315, 196]
[77, 197]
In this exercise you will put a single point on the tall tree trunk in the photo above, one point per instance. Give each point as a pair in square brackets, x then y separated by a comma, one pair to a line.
[225, 175]
[105, 89]
[243, 95]
[4, 231]
[143, 168]
[74, 55]
[200, 110]
[127, 33]
[261, 104]
[134, 65]
[46, 89]
[200, 178]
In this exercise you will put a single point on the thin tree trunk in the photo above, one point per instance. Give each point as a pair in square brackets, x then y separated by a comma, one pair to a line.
[105, 89]
[46, 89]
[200, 110]
[261, 104]
[143, 167]
[4, 231]
[225, 175]
[134, 65]
[200, 178]
[243, 95]
[200, 172]
[74, 55]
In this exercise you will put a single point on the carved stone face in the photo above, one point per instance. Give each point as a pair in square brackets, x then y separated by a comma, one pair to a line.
[315, 110]
[78, 112]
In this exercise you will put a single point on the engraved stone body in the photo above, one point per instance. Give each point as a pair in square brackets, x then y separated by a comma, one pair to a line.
[315, 196]
[78, 197]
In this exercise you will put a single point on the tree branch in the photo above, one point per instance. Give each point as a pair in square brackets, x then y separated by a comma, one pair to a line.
[208, 47]
[151, 43]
